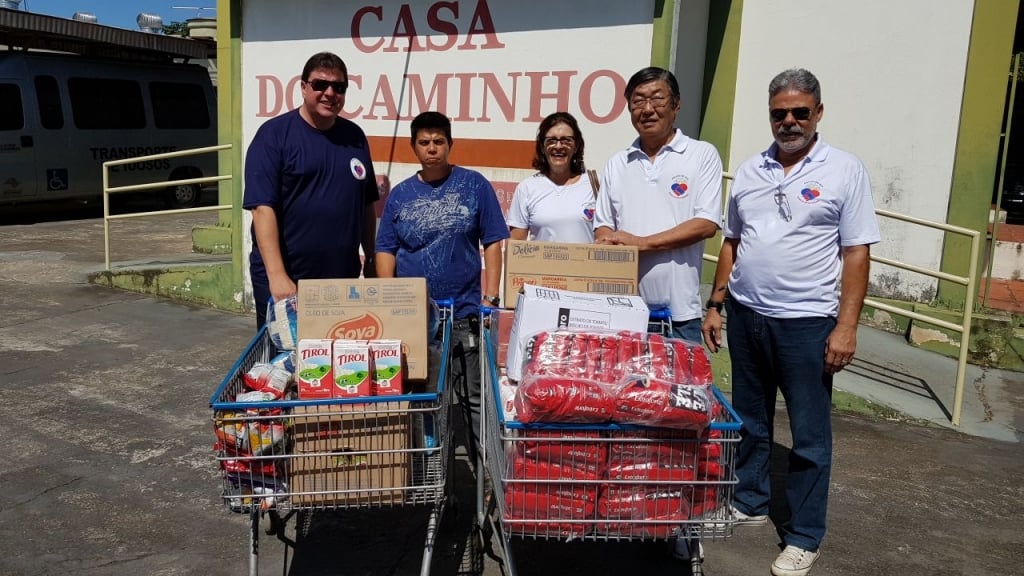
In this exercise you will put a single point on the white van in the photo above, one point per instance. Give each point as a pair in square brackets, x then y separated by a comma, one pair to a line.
[63, 115]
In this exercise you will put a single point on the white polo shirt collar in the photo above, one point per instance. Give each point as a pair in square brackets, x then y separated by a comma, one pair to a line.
[677, 144]
[819, 153]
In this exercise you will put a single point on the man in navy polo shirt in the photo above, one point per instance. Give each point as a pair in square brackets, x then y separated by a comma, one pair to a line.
[310, 185]
[799, 226]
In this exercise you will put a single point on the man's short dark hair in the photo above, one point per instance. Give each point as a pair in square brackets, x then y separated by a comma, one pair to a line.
[431, 121]
[325, 60]
[650, 74]
[795, 79]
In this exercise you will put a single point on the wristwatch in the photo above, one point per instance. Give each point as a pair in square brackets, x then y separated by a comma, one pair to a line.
[716, 305]
[492, 300]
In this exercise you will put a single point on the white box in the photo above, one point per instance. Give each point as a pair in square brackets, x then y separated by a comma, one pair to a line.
[541, 308]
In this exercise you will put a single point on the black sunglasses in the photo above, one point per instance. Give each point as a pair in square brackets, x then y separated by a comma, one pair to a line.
[320, 85]
[779, 114]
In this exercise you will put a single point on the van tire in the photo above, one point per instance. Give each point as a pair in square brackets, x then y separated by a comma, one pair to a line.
[184, 196]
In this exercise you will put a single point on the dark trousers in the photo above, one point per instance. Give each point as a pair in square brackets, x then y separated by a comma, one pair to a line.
[260, 298]
[465, 376]
[787, 354]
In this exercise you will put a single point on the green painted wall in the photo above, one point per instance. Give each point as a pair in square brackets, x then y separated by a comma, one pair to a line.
[229, 118]
[661, 41]
[202, 285]
[721, 68]
[720, 71]
[974, 169]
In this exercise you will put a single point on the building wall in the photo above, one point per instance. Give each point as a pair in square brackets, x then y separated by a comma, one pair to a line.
[892, 76]
[495, 68]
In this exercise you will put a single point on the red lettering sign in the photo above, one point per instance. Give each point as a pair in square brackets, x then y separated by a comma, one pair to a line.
[483, 97]
[362, 327]
[481, 33]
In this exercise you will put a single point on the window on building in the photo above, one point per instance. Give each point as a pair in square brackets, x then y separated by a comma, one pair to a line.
[12, 115]
[105, 104]
[51, 115]
[179, 105]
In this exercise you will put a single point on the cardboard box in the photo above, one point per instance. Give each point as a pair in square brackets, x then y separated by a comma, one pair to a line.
[540, 308]
[323, 435]
[369, 309]
[501, 331]
[598, 268]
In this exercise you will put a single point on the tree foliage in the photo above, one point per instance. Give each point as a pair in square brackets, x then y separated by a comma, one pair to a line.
[176, 29]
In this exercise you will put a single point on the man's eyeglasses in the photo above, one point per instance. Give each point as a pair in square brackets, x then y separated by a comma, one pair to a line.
[563, 140]
[321, 85]
[783, 203]
[779, 114]
[656, 102]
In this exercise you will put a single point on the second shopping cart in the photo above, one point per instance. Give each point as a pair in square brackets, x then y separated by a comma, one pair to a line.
[563, 465]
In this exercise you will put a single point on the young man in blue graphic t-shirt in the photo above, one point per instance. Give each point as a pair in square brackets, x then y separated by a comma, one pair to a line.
[310, 186]
[433, 226]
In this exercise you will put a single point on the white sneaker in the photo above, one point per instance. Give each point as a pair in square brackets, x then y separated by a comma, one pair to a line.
[748, 520]
[794, 561]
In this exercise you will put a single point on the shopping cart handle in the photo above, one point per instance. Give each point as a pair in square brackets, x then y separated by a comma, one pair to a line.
[445, 302]
[661, 314]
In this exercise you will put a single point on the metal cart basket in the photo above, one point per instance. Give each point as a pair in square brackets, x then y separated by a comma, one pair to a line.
[285, 457]
[547, 483]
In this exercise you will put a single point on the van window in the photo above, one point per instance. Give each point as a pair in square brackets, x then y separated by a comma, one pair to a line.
[48, 97]
[179, 105]
[12, 116]
[106, 104]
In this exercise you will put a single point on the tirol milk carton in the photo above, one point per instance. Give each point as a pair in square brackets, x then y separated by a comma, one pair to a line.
[352, 369]
[314, 371]
[387, 367]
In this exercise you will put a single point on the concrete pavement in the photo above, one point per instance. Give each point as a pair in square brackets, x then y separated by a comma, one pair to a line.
[109, 468]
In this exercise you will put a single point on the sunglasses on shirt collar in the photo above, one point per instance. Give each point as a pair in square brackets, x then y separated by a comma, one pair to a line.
[321, 85]
[779, 114]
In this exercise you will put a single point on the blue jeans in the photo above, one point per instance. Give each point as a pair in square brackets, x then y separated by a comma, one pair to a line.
[688, 330]
[768, 355]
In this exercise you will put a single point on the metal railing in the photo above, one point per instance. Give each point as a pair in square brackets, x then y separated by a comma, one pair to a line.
[970, 281]
[107, 190]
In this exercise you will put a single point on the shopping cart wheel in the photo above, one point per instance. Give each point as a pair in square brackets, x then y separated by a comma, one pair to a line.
[696, 558]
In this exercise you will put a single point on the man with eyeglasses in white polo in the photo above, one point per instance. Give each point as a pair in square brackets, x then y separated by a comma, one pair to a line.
[798, 227]
[310, 186]
[662, 194]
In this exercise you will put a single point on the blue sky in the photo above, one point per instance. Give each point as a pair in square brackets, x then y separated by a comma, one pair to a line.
[121, 13]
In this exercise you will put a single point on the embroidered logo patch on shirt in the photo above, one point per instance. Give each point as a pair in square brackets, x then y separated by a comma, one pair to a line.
[588, 213]
[680, 186]
[358, 170]
[810, 193]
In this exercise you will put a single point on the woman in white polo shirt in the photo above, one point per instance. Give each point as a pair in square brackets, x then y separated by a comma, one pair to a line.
[556, 204]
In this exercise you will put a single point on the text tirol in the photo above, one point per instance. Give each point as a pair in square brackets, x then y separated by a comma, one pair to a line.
[464, 95]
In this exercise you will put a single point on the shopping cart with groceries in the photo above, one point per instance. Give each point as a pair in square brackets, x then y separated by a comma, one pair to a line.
[607, 436]
[287, 457]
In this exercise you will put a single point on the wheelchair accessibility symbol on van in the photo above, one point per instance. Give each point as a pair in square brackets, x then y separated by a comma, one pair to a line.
[56, 179]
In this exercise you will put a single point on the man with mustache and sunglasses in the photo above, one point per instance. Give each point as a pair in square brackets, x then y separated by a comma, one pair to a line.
[794, 265]
[310, 186]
